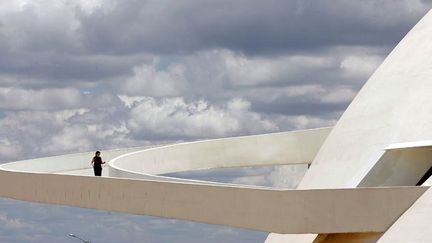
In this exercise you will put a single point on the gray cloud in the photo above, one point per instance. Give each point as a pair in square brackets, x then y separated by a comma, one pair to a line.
[295, 64]
[184, 70]
[250, 27]
[70, 41]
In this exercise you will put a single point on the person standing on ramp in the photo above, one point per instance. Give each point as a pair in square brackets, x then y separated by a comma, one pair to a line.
[97, 164]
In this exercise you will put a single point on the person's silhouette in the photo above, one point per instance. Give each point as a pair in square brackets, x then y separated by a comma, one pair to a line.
[97, 164]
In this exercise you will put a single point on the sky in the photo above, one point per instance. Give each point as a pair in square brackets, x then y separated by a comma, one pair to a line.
[89, 75]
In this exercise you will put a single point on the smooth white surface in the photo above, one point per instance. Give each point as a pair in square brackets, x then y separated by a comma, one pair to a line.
[399, 167]
[414, 224]
[257, 208]
[393, 107]
[33, 180]
[295, 147]
[263, 209]
[416, 144]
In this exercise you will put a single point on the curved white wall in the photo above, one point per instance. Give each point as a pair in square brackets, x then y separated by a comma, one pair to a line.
[251, 207]
[267, 149]
[394, 106]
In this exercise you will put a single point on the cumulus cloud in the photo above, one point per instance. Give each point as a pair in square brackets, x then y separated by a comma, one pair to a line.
[360, 65]
[138, 120]
[175, 118]
[323, 83]
[84, 75]
[148, 80]
[54, 99]
[242, 70]
[64, 40]
[47, 99]
[213, 93]
[339, 95]
[26, 134]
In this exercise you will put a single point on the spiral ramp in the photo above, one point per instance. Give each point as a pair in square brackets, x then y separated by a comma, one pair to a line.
[361, 186]
[133, 186]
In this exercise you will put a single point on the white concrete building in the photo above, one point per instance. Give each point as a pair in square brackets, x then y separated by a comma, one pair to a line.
[361, 186]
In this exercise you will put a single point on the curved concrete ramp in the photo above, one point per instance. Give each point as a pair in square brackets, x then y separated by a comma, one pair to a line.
[251, 207]
[263, 209]
[294, 147]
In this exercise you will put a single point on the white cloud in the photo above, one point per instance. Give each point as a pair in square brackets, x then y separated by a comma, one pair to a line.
[330, 77]
[9, 149]
[139, 121]
[176, 118]
[211, 72]
[194, 73]
[338, 95]
[45, 99]
[287, 176]
[40, 133]
[303, 122]
[130, 101]
[149, 81]
[293, 93]
[69, 138]
[244, 70]
[361, 65]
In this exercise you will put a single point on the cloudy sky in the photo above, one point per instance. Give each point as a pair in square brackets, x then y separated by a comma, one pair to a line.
[98, 74]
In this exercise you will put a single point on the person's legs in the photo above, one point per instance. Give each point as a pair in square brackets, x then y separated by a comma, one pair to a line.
[97, 171]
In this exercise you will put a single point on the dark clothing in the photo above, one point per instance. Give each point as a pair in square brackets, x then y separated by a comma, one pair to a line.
[97, 166]
[97, 161]
[97, 171]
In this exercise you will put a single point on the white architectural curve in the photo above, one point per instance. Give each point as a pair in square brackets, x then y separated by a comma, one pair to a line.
[383, 139]
[250, 207]
[394, 106]
[263, 209]
[297, 147]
